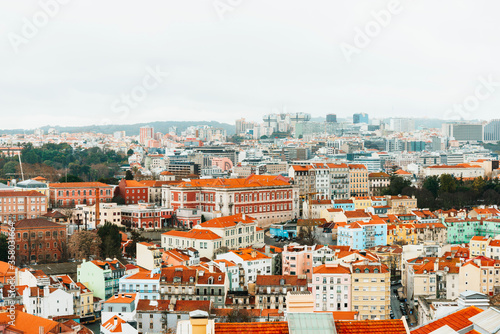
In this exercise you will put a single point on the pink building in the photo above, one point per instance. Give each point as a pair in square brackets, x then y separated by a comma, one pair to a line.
[331, 288]
[298, 260]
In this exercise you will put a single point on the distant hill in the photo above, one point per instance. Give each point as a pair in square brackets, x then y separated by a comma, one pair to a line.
[130, 129]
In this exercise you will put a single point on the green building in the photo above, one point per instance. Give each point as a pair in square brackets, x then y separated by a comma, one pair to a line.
[101, 277]
[461, 231]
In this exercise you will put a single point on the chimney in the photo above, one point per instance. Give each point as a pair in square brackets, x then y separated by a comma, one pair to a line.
[267, 249]
[199, 322]
[436, 265]
[243, 216]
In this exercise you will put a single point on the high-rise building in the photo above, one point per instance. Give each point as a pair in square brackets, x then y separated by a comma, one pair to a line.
[145, 133]
[402, 124]
[331, 118]
[360, 118]
[491, 130]
[463, 131]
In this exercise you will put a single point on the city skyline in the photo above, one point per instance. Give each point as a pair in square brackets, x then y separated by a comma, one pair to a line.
[249, 59]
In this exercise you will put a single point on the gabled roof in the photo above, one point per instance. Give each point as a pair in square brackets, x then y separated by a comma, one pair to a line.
[331, 269]
[275, 280]
[228, 221]
[194, 234]
[252, 181]
[37, 223]
[192, 305]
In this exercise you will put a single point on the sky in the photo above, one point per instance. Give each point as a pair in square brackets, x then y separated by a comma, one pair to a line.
[84, 62]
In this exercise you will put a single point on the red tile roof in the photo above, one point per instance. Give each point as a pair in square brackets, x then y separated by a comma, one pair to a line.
[277, 327]
[228, 221]
[331, 269]
[370, 326]
[457, 321]
[253, 181]
[194, 234]
[192, 305]
[79, 185]
[274, 280]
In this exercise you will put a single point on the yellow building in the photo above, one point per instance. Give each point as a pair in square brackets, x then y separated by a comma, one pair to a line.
[402, 234]
[371, 295]
[478, 246]
[85, 302]
[401, 204]
[362, 202]
[480, 274]
[358, 180]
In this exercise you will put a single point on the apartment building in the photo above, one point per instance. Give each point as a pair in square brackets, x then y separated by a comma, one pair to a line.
[102, 277]
[480, 274]
[17, 205]
[253, 262]
[362, 235]
[271, 290]
[205, 242]
[358, 180]
[237, 231]
[132, 191]
[297, 260]
[377, 182]
[148, 255]
[339, 181]
[371, 295]
[331, 287]
[146, 284]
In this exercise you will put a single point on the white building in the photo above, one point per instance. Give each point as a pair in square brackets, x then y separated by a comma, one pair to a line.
[86, 214]
[236, 231]
[205, 242]
[458, 171]
[253, 262]
[148, 255]
[145, 283]
[47, 302]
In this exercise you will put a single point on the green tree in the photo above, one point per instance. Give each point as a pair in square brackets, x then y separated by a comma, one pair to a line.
[4, 247]
[479, 184]
[10, 168]
[431, 183]
[397, 185]
[130, 152]
[448, 184]
[110, 240]
[129, 175]
[70, 178]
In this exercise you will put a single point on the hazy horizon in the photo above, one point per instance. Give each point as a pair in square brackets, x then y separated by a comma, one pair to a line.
[82, 63]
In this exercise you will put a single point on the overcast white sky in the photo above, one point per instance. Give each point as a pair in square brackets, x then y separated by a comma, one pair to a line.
[263, 56]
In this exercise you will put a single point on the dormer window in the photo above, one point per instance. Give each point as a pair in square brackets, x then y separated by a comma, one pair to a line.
[375, 270]
[191, 279]
[220, 278]
[367, 270]
[282, 281]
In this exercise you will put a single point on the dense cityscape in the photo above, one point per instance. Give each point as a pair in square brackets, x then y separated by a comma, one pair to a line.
[265, 226]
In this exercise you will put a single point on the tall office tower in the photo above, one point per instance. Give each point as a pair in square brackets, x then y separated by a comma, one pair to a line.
[145, 133]
[360, 118]
[331, 118]
[402, 124]
[463, 131]
[491, 130]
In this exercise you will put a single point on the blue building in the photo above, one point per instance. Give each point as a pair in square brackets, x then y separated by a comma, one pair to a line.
[345, 204]
[360, 118]
[363, 235]
[284, 230]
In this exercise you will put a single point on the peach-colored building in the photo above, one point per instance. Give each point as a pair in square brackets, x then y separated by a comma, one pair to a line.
[17, 205]
[298, 260]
